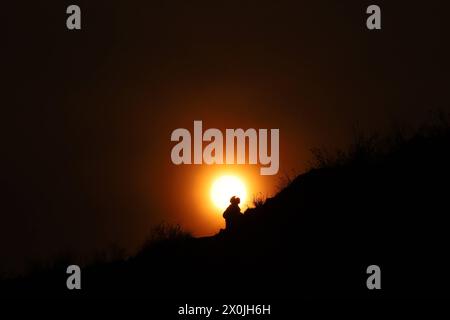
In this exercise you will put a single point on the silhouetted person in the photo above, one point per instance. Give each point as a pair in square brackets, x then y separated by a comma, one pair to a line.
[232, 214]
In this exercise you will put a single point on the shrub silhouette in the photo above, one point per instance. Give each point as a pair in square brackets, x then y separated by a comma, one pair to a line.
[165, 233]
[259, 200]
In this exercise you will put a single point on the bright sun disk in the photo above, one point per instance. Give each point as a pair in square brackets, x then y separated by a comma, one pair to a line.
[224, 188]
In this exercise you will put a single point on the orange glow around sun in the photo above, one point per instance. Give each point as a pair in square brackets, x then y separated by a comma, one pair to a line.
[209, 191]
[224, 188]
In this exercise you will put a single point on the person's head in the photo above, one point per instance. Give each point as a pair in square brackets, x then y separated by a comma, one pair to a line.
[235, 200]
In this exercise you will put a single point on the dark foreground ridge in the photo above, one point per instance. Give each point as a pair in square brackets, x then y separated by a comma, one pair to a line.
[381, 202]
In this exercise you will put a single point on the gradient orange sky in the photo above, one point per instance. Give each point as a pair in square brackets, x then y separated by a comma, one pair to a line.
[89, 114]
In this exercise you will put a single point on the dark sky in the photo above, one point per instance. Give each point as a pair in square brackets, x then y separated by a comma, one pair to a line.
[87, 115]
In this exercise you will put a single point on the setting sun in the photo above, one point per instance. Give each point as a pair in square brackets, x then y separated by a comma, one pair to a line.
[224, 188]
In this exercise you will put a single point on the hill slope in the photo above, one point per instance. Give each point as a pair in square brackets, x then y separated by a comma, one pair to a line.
[383, 203]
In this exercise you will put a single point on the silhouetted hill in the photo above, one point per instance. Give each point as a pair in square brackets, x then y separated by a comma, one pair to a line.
[383, 202]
